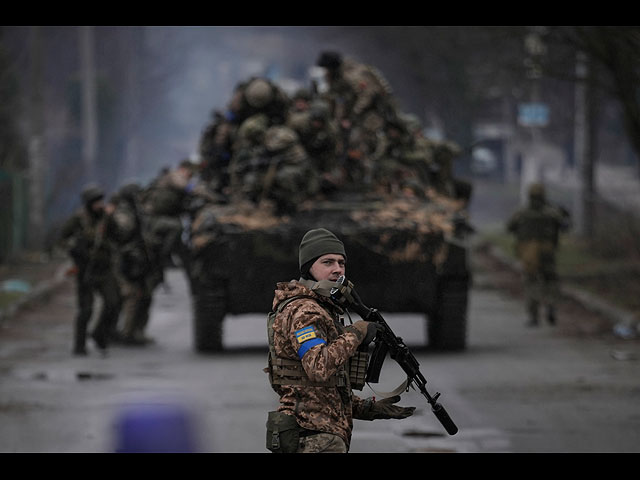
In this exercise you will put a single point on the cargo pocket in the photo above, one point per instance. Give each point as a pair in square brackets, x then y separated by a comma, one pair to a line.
[283, 433]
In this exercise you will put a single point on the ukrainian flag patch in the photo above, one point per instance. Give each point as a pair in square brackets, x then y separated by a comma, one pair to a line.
[306, 333]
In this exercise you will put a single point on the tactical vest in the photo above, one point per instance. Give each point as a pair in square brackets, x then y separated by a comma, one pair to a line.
[285, 371]
[91, 246]
[541, 225]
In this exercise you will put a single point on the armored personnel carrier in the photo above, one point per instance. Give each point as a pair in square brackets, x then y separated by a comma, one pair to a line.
[406, 252]
[404, 255]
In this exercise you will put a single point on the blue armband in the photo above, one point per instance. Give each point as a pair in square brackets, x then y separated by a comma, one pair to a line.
[304, 348]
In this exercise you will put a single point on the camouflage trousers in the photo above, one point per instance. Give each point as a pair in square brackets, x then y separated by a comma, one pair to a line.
[136, 304]
[105, 286]
[321, 443]
[541, 290]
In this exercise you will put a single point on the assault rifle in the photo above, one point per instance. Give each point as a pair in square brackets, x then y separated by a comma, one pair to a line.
[386, 342]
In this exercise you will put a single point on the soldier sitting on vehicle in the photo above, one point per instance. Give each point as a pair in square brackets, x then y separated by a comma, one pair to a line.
[258, 95]
[288, 177]
[318, 135]
[401, 162]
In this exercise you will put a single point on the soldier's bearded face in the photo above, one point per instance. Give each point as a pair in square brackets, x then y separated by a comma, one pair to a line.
[328, 267]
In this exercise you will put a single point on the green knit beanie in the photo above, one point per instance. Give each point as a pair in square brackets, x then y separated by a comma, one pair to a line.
[318, 242]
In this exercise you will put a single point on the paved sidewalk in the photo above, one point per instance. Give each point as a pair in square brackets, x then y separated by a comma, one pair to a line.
[624, 323]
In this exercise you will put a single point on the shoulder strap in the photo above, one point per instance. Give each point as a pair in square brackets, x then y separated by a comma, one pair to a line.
[287, 301]
[283, 371]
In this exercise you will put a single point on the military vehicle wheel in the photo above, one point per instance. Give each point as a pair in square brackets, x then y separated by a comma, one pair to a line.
[447, 328]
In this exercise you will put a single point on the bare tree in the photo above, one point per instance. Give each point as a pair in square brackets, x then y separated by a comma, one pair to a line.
[616, 49]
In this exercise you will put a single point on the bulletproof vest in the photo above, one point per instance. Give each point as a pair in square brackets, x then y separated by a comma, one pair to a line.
[93, 235]
[285, 371]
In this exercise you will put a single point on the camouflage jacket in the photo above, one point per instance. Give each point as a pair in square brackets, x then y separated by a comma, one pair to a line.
[325, 409]
[89, 241]
[542, 224]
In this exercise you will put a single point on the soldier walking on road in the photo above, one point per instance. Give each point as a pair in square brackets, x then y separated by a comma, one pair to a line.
[87, 234]
[311, 352]
[138, 270]
[537, 228]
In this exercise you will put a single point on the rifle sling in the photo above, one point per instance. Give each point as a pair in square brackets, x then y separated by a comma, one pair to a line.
[396, 391]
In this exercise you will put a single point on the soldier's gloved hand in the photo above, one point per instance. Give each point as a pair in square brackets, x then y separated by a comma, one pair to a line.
[365, 331]
[372, 331]
[385, 408]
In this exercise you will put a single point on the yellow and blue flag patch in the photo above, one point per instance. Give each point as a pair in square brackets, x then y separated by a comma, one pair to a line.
[306, 333]
[307, 338]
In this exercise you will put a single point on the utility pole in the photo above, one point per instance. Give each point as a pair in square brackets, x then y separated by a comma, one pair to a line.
[533, 115]
[35, 237]
[584, 148]
[132, 39]
[89, 107]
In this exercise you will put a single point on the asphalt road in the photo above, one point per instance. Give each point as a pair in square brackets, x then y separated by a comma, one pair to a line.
[513, 390]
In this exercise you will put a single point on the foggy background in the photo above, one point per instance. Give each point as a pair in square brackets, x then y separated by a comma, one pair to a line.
[118, 103]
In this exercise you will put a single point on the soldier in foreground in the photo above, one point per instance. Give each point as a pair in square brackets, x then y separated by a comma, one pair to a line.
[537, 228]
[311, 352]
[87, 236]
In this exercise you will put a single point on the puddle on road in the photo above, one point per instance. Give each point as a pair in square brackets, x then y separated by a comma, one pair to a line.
[60, 375]
[94, 376]
[421, 434]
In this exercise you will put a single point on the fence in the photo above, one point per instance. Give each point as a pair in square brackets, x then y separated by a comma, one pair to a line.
[14, 216]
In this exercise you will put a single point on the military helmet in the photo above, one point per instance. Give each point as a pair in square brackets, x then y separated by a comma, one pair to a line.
[253, 128]
[258, 93]
[91, 193]
[129, 191]
[329, 60]
[397, 123]
[302, 94]
[412, 122]
[319, 109]
[278, 138]
[446, 149]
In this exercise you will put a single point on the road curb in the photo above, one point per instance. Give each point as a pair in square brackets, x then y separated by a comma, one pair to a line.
[40, 291]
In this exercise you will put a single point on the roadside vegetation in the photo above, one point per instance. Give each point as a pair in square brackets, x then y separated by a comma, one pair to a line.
[608, 265]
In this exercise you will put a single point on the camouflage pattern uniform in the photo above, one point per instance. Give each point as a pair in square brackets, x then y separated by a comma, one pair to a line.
[88, 236]
[536, 229]
[402, 164]
[258, 95]
[443, 155]
[318, 135]
[215, 149]
[362, 101]
[165, 201]
[138, 271]
[249, 160]
[291, 177]
[325, 409]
